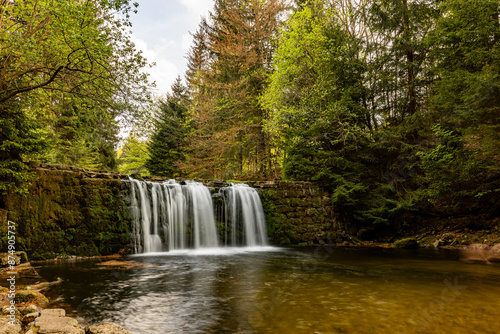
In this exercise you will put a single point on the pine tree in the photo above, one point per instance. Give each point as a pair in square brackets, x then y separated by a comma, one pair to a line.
[398, 56]
[229, 140]
[167, 145]
[463, 162]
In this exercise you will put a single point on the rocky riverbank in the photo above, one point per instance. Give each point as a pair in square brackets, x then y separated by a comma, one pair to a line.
[50, 321]
[32, 313]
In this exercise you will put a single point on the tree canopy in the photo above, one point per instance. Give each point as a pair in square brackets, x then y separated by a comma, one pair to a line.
[67, 71]
[391, 105]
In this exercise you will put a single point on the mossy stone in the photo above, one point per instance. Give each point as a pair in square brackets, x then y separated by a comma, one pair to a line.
[408, 243]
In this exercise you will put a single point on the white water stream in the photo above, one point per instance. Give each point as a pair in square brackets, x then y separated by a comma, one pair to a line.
[169, 216]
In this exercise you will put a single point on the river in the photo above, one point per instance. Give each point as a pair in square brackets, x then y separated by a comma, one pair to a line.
[280, 290]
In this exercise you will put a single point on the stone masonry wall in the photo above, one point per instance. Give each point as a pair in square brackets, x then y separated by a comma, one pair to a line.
[68, 211]
[75, 211]
[298, 213]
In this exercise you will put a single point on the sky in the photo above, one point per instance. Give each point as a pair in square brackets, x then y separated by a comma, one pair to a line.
[161, 29]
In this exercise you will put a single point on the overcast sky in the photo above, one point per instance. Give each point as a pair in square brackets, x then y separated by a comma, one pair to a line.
[161, 30]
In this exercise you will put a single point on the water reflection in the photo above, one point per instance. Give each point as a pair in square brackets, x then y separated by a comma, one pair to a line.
[288, 291]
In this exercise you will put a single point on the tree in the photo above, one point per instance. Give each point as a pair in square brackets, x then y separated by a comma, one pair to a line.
[316, 96]
[20, 138]
[61, 54]
[167, 146]
[462, 163]
[67, 45]
[236, 51]
[132, 156]
[398, 57]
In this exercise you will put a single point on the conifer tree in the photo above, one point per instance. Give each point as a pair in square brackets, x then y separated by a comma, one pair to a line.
[166, 148]
[398, 56]
[463, 160]
[228, 138]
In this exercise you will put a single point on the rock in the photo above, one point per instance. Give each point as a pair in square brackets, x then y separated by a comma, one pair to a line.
[494, 255]
[107, 328]
[408, 243]
[7, 309]
[53, 321]
[30, 317]
[31, 296]
[55, 312]
[28, 309]
[437, 243]
[137, 176]
[7, 328]
[19, 257]
[59, 325]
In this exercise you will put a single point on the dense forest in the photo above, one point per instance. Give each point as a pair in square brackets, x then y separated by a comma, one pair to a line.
[392, 105]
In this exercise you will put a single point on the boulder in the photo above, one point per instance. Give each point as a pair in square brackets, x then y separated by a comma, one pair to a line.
[55, 312]
[7, 309]
[107, 328]
[7, 328]
[28, 309]
[30, 317]
[19, 257]
[437, 243]
[494, 255]
[59, 325]
[408, 243]
[31, 296]
[53, 321]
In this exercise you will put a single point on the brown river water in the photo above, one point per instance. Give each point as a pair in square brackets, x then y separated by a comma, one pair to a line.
[278, 290]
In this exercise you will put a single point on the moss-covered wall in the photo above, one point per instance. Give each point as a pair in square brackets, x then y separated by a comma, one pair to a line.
[73, 211]
[68, 211]
[298, 213]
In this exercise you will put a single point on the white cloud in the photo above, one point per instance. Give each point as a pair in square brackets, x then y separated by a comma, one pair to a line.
[161, 30]
[165, 71]
[198, 8]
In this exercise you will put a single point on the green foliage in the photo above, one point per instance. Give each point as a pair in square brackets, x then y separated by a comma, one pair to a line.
[463, 164]
[68, 72]
[20, 142]
[228, 67]
[81, 135]
[316, 94]
[407, 113]
[132, 156]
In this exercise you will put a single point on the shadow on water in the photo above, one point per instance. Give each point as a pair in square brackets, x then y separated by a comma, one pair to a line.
[307, 290]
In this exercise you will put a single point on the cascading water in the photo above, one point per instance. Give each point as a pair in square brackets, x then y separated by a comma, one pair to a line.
[243, 216]
[171, 216]
[141, 218]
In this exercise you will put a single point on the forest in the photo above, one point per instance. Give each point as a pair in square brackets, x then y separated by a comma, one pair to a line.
[393, 106]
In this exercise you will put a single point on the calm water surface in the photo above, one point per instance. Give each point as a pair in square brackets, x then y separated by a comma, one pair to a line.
[273, 290]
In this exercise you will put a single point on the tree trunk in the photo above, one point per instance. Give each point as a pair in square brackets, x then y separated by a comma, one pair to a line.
[412, 104]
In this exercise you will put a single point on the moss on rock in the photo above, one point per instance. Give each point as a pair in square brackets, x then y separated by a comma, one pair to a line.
[32, 297]
[408, 243]
[67, 213]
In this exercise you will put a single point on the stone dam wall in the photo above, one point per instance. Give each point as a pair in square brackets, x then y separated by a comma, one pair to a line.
[71, 211]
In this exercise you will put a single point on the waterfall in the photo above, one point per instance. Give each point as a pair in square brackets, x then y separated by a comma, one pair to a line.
[201, 207]
[243, 216]
[170, 216]
[176, 236]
